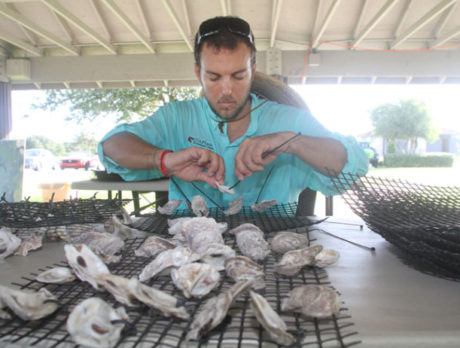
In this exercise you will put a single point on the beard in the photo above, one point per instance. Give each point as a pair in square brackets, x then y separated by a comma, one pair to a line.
[233, 115]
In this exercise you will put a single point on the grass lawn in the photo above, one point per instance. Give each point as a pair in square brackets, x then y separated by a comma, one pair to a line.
[428, 176]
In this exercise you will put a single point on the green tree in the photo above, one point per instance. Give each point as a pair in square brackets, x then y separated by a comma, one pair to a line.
[41, 142]
[408, 120]
[127, 103]
[85, 142]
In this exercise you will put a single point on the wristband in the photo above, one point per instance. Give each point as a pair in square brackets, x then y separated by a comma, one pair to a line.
[162, 164]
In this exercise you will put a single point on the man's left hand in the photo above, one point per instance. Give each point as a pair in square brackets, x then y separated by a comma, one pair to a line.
[249, 159]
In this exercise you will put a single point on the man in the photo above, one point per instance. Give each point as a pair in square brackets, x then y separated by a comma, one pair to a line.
[225, 136]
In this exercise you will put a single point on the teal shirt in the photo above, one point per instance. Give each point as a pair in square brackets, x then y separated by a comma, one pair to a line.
[179, 125]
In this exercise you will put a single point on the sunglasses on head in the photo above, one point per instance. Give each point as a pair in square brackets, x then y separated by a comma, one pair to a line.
[216, 25]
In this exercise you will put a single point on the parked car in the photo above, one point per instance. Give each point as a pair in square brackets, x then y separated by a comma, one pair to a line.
[40, 159]
[81, 159]
[371, 153]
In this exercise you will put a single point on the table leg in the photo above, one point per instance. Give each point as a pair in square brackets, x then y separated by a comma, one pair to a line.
[136, 203]
[329, 206]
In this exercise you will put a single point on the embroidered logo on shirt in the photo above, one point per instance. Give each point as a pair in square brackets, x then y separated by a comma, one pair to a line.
[200, 143]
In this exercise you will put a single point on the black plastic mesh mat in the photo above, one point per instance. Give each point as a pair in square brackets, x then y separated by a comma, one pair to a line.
[277, 218]
[422, 221]
[148, 328]
[75, 211]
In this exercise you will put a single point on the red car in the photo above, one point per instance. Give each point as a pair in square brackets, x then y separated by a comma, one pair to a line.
[81, 159]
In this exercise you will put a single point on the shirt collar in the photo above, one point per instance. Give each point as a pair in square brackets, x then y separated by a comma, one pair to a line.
[255, 101]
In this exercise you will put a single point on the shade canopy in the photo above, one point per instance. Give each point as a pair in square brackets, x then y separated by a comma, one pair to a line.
[142, 43]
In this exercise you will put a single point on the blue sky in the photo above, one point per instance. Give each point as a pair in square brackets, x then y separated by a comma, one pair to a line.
[341, 108]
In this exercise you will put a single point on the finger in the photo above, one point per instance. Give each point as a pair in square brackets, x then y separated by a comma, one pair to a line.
[209, 179]
[220, 171]
[213, 163]
[203, 159]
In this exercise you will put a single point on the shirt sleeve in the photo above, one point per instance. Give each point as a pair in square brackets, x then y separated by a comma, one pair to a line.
[357, 162]
[151, 131]
[300, 120]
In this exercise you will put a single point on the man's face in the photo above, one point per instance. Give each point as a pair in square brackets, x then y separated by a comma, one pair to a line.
[226, 77]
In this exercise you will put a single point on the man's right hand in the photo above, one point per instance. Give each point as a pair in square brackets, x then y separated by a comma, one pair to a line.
[195, 164]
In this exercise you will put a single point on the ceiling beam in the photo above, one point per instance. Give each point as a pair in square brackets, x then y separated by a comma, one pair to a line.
[224, 8]
[375, 20]
[141, 11]
[403, 18]
[56, 7]
[428, 17]
[325, 23]
[65, 27]
[277, 4]
[187, 18]
[97, 10]
[446, 16]
[127, 22]
[362, 11]
[20, 19]
[21, 44]
[442, 40]
[30, 36]
[176, 21]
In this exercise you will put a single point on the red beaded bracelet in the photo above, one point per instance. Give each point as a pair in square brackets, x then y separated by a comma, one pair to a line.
[162, 164]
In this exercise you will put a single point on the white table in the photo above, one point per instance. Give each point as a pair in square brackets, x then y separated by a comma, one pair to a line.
[160, 186]
[390, 303]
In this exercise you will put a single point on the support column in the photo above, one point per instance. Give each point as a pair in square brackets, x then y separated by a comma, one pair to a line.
[6, 119]
[6, 122]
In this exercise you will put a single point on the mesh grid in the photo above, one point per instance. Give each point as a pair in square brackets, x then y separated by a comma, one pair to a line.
[422, 221]
[277, 218]
[148, 328]
[27, 214]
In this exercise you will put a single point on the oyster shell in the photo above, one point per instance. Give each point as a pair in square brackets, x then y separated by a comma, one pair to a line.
[200, 232]
[32, 242]
[94, 323]
[317, 301]
[28, 305]
[8, 243]
[243, 268]
[176, 225]
[270, 320]
[292, 262]
[215, 310]
[56, 275]
[169, 258]
[262, 206]
[199, 207]
[119, 287]
[216, 254]
[105, 245]
[169, 207]
[326, 258]
[116, 227]
[195, 279]
[251, 242]
[234, 207]
[285, 241]
[152, 246]
[157, 299]
[225, 189]
[85, 263]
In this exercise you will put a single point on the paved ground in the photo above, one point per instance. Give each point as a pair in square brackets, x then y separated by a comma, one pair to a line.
[33, 180]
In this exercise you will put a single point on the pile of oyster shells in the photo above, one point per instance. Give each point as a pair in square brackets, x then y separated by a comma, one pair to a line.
[194, 256]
